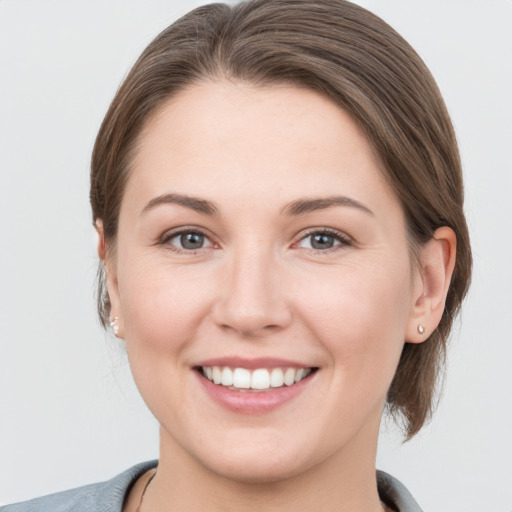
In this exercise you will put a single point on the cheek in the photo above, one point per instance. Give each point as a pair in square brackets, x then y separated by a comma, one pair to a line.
[163, 309]
[162, 305]
[360, 313]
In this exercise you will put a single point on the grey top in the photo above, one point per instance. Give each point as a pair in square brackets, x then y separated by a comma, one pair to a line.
[109, 496]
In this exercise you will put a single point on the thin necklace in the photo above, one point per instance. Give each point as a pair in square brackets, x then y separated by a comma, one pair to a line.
[146, 487]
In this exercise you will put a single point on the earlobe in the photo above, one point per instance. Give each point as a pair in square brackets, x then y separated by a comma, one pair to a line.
[111, 281]
[437, 261]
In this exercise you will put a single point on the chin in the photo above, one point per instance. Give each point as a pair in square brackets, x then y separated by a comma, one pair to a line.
[258, 470]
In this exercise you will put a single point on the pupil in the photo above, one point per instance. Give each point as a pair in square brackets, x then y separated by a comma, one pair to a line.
[192, 240]
[322, 241]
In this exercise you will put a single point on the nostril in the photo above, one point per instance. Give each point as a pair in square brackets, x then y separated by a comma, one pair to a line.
[251, 320]
[248, 330]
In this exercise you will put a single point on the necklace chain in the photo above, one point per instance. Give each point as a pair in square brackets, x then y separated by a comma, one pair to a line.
[146, 487]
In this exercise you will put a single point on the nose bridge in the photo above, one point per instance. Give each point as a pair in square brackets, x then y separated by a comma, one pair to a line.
[253, 300]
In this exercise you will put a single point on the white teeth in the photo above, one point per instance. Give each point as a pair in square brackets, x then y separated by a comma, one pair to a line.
[289, 376]
[298, 375]
[260, 379]
[217, 375]
[305, 373]
[227, 377]
[276, 378]
[242, 378]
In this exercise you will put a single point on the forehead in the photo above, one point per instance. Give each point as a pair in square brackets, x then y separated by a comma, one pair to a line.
[254, 140]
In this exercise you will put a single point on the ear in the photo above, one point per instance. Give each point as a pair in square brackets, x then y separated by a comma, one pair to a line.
[108, 262]
[432, 281]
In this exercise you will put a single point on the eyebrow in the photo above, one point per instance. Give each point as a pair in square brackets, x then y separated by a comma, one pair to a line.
[311, 204]
[194, 203]
[296, 207]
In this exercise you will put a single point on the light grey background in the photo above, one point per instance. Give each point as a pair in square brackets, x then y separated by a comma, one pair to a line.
[70, 414]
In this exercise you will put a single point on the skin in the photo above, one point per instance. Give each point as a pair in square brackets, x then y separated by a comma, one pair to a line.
[258, 288]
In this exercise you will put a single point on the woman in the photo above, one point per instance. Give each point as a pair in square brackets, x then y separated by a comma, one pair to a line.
[278, 197]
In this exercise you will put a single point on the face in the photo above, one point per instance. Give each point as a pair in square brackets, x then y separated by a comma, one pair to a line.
[262, 280]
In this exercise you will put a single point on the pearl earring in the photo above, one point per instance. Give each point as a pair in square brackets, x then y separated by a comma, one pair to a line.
[421, 329]
[113, 324]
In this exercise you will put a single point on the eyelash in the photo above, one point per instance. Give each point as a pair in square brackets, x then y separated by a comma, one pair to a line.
[165, 240]
[342, 239]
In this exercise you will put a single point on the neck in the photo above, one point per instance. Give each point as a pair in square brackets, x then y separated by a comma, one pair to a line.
[343, 482]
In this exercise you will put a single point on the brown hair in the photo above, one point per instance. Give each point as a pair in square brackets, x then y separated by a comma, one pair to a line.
[363, 65]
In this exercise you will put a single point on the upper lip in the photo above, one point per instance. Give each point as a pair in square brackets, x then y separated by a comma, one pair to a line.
[253, 363]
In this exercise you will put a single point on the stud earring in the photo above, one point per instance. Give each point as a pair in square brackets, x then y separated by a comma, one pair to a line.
[421, 329]
[113, 324]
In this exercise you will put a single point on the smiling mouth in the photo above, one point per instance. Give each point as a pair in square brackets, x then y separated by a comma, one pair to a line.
[258, 380]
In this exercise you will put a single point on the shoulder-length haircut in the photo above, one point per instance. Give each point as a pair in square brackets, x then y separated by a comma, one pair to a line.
[358, 61]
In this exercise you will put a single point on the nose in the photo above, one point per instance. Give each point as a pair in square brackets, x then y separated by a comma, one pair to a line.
[252, 299]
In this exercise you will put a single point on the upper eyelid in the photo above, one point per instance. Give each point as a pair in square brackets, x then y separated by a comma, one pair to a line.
[345, 241]
[165, 239]
[171, 233]
[325, 230]
[343, 236]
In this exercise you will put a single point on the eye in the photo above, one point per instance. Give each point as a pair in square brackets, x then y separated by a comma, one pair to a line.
[323, 240]
[188, 241]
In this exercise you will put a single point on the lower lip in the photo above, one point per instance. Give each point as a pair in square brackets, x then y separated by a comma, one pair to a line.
[247, 402]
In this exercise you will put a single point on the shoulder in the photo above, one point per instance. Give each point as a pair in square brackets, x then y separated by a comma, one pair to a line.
[394, 494]
[104, 496]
